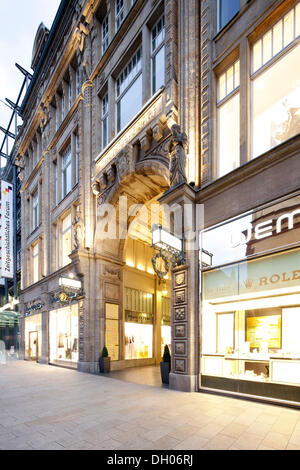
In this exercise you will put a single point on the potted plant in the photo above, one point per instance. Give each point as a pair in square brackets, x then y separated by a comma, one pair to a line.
[104, 361]
[165, 366]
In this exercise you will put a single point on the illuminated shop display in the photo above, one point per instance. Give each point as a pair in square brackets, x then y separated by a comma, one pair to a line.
[33, 337]
[112, 330]
[138, 324]
[63, 334]
[251, 313]
[165, 323]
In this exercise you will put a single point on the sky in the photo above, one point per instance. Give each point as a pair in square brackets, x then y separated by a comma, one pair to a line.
[19, 20]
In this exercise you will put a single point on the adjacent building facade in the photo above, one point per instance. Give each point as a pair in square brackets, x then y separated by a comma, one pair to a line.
[136, 106]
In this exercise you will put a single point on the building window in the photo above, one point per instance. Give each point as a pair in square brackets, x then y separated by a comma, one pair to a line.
[228, 120]
[66, 240]
[70, 95]
[35, 263]
[62, 107]
[119, 13]
[276, 109]
[158, 55]
[77, 156]
[35, 210]
[66, 172]
[56, 116]
[129, 91]
[104, 125]
[105, 34]
[227, 10]
[77, 79]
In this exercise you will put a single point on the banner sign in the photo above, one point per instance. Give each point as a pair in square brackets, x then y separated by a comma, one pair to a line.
[2, 280]
[7, 259]
[274, 272]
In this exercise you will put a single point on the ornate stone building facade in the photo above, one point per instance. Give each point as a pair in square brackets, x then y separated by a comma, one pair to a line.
[156, 103]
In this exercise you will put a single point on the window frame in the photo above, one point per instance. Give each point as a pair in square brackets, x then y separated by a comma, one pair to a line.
[219, 26]
[64, 169]
[154, 52]
[221, 102]
[35, 209]
[119, 14]
[62, 234]
[118, 97]
[35, 276]
[275, 58]
[104, 118]
[105, 34]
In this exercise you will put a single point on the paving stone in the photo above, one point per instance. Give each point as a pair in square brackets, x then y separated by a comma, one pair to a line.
[51, 408]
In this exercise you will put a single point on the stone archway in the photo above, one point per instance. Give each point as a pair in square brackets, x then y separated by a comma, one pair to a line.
[123, 181]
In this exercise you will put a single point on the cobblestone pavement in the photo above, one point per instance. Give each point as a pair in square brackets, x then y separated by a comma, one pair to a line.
[44, 407]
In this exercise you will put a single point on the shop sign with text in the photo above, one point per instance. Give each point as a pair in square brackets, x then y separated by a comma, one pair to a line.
[259, 231]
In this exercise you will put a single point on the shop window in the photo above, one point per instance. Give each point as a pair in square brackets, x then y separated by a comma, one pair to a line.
[66, 240]
[138, 324]
[104, 121]
[33, 337]
[64, 334]
[250, 325]
[158, 55]
[66, 172]
[119, 13]
[105, 34]
[227, 10]
[228, 120]
[112, 330]
[165, 323]
[276, 109]
[129, 91]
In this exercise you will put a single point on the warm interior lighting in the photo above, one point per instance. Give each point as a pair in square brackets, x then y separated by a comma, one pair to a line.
[130, 263]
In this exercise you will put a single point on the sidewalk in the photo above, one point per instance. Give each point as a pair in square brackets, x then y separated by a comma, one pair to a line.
[44, 407]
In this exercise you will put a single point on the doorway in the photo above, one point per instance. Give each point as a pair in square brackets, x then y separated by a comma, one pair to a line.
[33, 346]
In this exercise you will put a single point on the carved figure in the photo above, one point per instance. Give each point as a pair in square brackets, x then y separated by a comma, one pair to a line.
[177, 149]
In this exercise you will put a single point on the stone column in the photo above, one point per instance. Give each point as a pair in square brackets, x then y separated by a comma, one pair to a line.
[189, 79]
[184, 303]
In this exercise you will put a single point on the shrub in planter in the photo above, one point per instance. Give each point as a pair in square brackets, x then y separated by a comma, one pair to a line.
[165, 366]
[104, 361]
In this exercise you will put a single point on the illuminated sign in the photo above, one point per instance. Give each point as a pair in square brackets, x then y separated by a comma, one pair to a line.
[258, 231]
[264, 229]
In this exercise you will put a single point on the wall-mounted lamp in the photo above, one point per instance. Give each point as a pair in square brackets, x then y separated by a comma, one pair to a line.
[205, 258]
[168, 244]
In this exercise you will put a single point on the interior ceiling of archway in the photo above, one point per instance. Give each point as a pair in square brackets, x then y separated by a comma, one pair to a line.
[143, 187]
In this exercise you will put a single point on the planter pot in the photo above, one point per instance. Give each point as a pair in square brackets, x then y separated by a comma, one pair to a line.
[165, 368]
[104, 365]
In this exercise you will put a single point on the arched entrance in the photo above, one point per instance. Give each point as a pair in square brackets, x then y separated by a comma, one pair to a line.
[135, 305]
